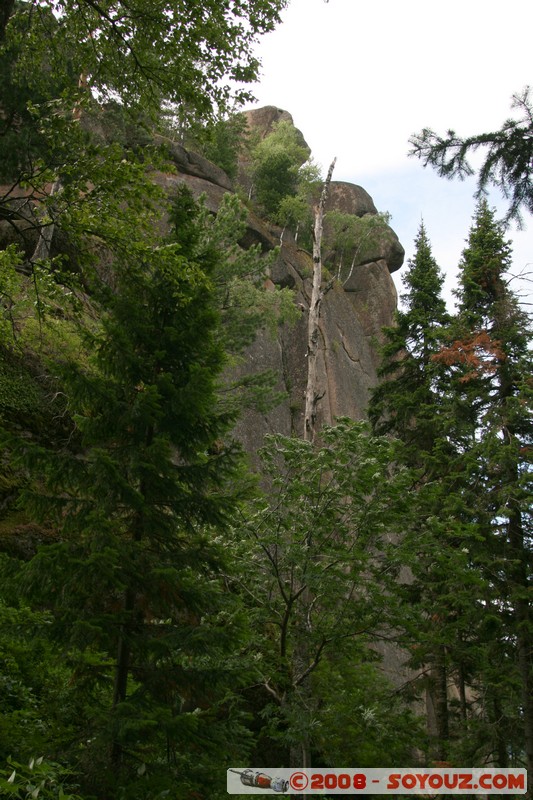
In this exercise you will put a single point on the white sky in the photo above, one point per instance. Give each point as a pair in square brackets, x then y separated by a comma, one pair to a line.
[360, 77]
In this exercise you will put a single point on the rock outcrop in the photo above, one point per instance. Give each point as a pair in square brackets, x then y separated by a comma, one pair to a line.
[353, 312]
[352, 318]
[350, 329]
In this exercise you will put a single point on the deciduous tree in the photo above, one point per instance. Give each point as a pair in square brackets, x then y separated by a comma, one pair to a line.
[319, 564]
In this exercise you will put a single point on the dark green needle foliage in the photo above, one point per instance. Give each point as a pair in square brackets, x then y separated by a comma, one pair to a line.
[406, 401]
[508, 156]
[138, 608]
[490, 366]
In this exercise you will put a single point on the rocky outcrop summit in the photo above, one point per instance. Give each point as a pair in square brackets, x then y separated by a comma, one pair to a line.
[352, 317]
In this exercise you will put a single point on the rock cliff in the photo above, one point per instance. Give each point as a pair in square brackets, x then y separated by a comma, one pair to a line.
[353, 313]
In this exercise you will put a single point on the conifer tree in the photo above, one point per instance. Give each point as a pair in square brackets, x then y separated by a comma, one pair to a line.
[407, 400]
[490, 372]
[411, 403]
[146, 477]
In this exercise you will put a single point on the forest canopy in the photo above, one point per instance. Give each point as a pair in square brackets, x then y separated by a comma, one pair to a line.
[170, 607]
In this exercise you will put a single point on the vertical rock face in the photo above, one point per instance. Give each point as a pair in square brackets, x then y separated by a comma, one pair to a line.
[352, 317]
[353, 311]
[350, 334]
[353, 314]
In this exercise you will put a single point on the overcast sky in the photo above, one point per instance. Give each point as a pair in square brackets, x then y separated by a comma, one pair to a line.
[360, 77]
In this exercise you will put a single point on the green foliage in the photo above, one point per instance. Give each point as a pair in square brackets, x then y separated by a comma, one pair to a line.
[484, 263]
[294, 212]
[280, 169]
[19, 392]
[320, 564]
[239, 279]
[489, 363]
[199, 48]
[507, 162]
[408, 401]
[10, 286]
[138, 493]
[362, 720]
[39, 778]
[353, 240]
[22, 686]
[452, 394]
[26, 80]
[219, 140]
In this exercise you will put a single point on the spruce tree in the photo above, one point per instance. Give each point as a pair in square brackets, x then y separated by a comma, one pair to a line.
[489, 360]
[406, 401]
[411, 403]
[139, 494]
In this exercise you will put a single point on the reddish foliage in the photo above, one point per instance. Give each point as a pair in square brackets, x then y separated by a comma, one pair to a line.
[478, 352]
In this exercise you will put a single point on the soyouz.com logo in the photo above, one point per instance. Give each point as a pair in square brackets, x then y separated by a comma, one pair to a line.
[409, 780]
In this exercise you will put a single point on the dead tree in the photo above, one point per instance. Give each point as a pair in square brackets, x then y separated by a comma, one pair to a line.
[313, 394]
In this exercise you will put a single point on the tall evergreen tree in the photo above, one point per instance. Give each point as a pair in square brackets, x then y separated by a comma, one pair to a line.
[490, 369]
[135, 493]
[411, 403]
[406, 402]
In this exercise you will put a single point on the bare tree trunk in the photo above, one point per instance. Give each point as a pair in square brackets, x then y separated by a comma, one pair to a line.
[300, 752]
[312, 394]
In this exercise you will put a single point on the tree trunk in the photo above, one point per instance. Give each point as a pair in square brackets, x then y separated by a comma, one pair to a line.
[6, 9]
[499, 736]
[520, 572]
[441, 703]
[312, 394]
[128, 627]
[522, 615]
[46, 234]
[122, 669]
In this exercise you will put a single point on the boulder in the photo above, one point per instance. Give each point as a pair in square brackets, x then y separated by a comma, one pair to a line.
[194, 164]
[263, 120]
[349, 199]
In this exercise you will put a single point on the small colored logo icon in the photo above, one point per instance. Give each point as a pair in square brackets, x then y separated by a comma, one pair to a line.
[299, 781]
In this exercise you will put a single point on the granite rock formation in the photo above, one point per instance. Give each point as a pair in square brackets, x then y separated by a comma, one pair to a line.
[352, 315]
